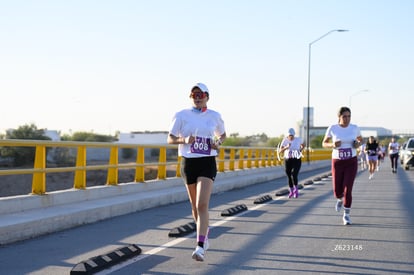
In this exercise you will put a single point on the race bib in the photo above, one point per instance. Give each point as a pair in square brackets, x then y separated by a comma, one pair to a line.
[294, 154]
[372, 152]
[201, 146]
[345, 153]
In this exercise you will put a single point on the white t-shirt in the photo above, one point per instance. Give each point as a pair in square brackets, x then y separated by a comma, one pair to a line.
[202, 125]
[347, 135]
[393, 147]
[294, 149]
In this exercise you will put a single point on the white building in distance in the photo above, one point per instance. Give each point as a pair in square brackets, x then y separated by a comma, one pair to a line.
[156, 137]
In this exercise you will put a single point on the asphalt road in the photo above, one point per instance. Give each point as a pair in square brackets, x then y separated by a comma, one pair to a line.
[282, 236]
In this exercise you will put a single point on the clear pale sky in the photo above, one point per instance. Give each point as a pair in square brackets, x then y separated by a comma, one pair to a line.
[105, 66]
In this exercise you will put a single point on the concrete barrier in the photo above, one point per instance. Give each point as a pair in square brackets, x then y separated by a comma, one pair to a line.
[28, 216]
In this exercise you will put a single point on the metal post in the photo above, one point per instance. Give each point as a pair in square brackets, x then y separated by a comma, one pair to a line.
[308, 108]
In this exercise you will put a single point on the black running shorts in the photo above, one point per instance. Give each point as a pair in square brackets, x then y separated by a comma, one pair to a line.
[192, 168]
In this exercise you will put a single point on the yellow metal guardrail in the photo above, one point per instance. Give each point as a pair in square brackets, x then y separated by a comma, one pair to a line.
[228, 158]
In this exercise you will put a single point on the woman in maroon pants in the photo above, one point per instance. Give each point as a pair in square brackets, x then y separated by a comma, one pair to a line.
[343, 138]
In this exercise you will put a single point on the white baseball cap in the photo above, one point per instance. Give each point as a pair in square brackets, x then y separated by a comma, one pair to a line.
[291, 132]
[202, 87]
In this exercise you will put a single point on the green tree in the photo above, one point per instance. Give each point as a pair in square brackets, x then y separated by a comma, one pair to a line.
[28, 131]
[235, 141]
[23, 155]
[273, 142]
[316, 142]
[66, 137]
[92, 137]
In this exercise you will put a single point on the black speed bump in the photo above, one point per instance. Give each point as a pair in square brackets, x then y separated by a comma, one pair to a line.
[308, 182]
[234, 210]
[102, 262]
[183, 230]
[263, 199]
[282, 192]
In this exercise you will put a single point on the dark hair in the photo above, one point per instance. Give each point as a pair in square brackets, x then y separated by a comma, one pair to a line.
[343, 110]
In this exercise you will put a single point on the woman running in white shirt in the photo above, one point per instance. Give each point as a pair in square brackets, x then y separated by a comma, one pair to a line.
[393, 150]
[199, 132]
[291, 148]
[343, 138]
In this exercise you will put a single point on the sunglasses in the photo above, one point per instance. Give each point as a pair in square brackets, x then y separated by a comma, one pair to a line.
[199, 95]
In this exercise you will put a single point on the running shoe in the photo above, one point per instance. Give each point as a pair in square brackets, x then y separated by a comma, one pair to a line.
[206, 244]
[198, 254]
[295, 192]
[338, 205]
[347, 220]
[291, 192]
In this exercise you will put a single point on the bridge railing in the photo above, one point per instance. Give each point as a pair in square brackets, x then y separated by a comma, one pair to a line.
[229, 158]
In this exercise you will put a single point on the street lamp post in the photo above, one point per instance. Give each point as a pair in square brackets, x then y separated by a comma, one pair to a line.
[354, 94]
[309, 70]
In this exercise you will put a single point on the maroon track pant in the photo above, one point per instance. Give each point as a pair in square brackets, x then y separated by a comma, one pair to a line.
[343, 175]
